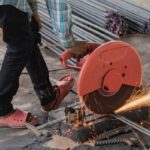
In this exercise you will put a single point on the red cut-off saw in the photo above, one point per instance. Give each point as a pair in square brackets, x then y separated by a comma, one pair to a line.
[108, 76]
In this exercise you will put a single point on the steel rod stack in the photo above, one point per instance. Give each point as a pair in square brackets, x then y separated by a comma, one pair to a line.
[89, 18]
[136, 16]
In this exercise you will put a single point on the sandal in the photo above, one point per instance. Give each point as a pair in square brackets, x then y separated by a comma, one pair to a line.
[18, 119]
[63, 87]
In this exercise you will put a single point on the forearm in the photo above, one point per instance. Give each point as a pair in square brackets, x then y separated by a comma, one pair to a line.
[61, 16]
[33, 5]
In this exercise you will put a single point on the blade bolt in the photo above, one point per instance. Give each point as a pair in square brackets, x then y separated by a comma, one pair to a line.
[123, 75]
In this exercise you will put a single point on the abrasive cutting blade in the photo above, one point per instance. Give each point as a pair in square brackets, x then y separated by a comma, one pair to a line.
[102, 104]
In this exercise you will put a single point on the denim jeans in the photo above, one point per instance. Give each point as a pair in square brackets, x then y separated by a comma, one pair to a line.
[22, 51]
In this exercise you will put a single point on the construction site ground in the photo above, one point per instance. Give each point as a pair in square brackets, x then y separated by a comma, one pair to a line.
[22, 139]
[26, 99]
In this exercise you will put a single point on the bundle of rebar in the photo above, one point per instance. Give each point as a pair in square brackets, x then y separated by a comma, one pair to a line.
[116, 24]
[89, 19]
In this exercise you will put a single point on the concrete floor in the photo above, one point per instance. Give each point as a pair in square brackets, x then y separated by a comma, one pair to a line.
[141, 3]
[22, 139]
[141, 43]
[26, 100]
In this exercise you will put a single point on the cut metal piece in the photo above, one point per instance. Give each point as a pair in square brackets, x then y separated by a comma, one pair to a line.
[129, 141]
[132, 124]
[101, 104]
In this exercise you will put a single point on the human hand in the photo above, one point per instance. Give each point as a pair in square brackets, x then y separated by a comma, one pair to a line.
[37, 19]
[78, 51]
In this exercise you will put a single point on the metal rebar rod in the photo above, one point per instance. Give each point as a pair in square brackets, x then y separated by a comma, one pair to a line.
[132, 124]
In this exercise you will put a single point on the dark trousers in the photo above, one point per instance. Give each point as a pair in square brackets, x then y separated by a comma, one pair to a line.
[22, 51]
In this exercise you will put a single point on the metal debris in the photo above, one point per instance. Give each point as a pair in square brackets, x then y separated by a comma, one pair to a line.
[129, 141]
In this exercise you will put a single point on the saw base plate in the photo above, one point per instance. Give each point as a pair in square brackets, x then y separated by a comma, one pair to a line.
[97, 124]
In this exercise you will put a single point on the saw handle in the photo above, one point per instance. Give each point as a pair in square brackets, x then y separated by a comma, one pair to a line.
[90, 47]
[73, 68]
[64, 57]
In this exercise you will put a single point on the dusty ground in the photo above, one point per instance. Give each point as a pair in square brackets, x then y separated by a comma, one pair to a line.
[22, 139]
[141, 43]
[143, 3]
[19, 139]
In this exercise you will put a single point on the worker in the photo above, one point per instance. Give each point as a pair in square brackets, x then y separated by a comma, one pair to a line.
[22, 51]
